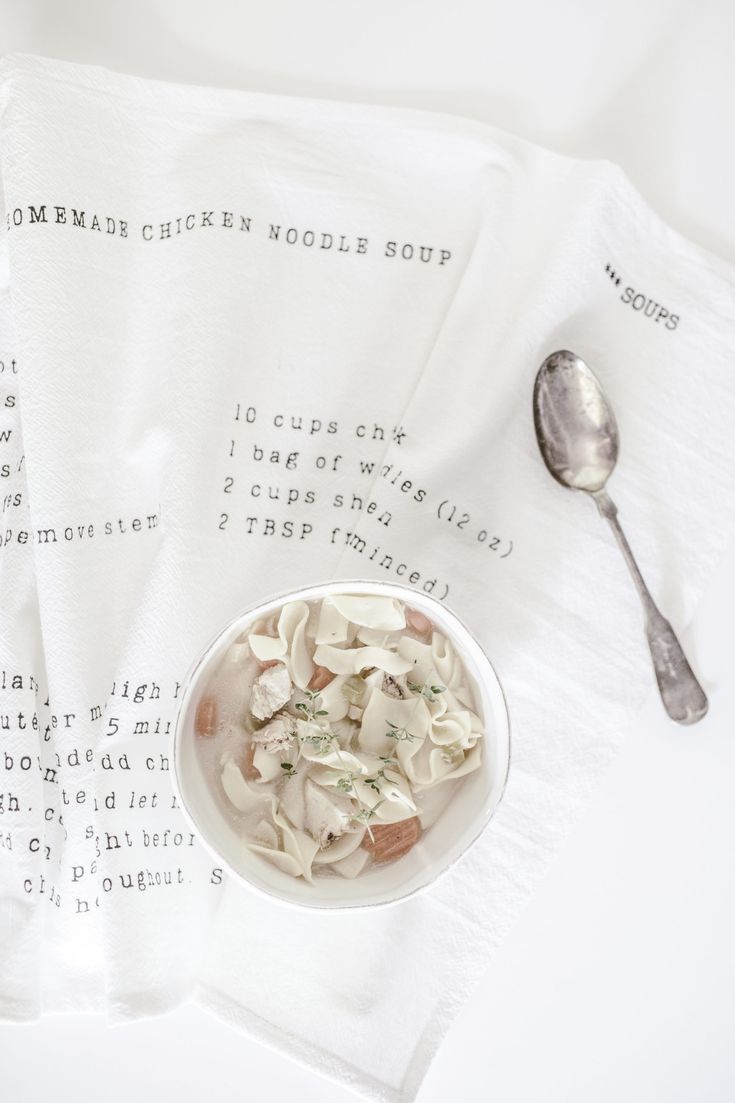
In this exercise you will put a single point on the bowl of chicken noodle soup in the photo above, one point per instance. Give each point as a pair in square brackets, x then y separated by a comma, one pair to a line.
[341, 745]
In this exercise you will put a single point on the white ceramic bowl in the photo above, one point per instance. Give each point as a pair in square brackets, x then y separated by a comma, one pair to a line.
[459, 825]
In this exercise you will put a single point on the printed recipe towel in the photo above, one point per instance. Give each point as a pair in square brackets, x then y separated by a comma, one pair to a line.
[251, 342]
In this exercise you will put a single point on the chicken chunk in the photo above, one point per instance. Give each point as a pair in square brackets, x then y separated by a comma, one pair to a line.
[271, 691]
[277, 735]
[327, 815]
[395, 686]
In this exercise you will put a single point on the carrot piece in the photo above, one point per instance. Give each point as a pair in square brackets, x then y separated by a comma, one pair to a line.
[205, 718]
[392, 840]
[321, 677]
[418, 621]
[251, 771]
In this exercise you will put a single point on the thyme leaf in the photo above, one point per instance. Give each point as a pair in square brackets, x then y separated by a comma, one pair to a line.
[364, 815]
[374, 782]
[425, 690]
[399, 734]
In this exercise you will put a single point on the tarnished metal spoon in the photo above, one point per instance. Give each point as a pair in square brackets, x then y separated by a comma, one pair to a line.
[578, 437]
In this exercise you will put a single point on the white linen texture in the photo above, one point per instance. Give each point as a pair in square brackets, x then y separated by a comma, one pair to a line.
[341, 310]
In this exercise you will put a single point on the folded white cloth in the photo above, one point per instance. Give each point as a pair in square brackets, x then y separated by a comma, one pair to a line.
[229, 324]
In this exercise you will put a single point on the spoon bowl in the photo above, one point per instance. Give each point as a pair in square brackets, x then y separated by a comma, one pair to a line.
[575, 425]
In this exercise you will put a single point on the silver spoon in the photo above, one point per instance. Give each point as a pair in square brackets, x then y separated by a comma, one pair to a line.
[578, 438]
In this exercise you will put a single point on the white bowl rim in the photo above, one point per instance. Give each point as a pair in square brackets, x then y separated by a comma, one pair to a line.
[307, 593]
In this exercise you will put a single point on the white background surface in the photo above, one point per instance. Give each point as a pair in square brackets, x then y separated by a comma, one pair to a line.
[618, 983]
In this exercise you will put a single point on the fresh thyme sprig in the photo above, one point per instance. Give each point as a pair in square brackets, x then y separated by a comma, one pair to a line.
[364, 815]
[310, 708]
[374, 782]
[322, 741]
[399, 734]
[425, 690]
[346, 784]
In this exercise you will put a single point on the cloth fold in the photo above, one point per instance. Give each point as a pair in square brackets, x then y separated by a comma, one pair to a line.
[250, 342]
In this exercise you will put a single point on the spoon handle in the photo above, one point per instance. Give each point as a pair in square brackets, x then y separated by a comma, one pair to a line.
[684, 699]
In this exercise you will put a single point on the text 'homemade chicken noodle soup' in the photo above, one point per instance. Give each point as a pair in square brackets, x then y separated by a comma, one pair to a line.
[335, 732]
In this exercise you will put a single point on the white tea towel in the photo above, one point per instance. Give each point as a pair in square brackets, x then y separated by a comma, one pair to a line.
[254, 342]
